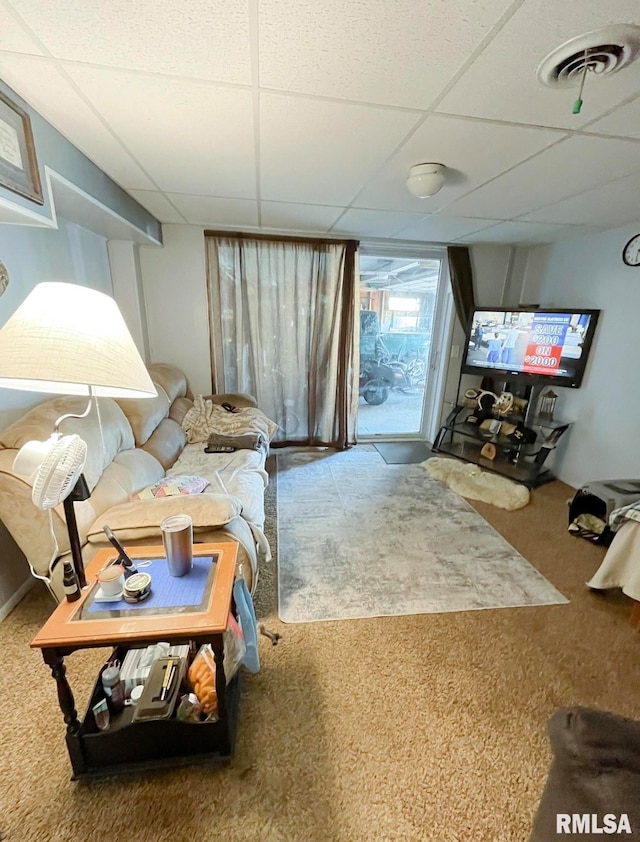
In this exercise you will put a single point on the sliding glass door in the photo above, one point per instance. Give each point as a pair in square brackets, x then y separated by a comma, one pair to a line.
[401, 309]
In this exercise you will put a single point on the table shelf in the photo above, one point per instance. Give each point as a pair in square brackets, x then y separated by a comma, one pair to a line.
[128, 746]
[519, 461]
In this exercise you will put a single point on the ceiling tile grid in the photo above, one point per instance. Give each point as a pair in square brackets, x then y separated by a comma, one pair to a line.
[615, 204]
[440, 228]
[473, 152]
[206, 210]
[502, 83]
[50, 93]
[295, 217]
[297, 116]
[324, 150]
[570, 167]
[198, 38]
[371, 50]
[15, 37]
[158, 205]
[190, 136]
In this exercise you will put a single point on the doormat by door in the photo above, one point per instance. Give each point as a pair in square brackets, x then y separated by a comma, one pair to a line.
[404, 452]
[358, 538]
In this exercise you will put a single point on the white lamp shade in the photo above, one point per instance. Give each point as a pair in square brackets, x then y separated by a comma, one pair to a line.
[66, 338]
[425, 180]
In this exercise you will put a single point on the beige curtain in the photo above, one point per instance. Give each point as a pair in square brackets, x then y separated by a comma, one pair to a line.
[282, 316]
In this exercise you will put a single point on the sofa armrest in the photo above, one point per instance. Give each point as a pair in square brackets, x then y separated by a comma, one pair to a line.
[235, 399]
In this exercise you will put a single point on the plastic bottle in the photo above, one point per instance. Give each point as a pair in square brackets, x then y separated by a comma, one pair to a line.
[113, 688]
[70, 582]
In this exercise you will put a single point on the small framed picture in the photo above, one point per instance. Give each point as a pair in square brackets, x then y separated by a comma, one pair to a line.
[18, 163]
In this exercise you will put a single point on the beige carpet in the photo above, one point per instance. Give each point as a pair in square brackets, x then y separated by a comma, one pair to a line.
[425, 727]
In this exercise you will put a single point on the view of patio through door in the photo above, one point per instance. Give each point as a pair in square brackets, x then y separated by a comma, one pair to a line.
[398, 302]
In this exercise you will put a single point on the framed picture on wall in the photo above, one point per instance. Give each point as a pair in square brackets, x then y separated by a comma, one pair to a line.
[18, 164]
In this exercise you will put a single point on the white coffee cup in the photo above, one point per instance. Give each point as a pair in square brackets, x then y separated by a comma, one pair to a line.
[111, 580]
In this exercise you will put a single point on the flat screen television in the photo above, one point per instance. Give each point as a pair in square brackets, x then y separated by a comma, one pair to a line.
[532, 346]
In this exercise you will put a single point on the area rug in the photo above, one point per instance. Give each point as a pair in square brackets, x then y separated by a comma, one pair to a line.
[475, 484]
[403, 452]
[359, 538]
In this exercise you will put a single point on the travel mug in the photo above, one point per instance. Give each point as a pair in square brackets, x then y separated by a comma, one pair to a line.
[177, 537]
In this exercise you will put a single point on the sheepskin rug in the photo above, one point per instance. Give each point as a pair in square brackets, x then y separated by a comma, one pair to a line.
[470, 481]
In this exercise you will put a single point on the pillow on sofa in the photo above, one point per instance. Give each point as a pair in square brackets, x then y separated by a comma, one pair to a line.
[142, 518]
[144, 414]
[172, 486]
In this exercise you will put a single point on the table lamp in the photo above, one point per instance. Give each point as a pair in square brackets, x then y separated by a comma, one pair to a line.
[71, 340]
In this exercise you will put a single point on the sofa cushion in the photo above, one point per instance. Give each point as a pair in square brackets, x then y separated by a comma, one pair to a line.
[144, 414]
[241, 474]
[172, 486]
[102, 444]
[166, 442]
[142, 518]
[172, 380]
[179, 409]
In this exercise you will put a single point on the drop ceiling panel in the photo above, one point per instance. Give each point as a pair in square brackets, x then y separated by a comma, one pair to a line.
[371, 223]
[157, 204]
[502, 82]
[613, 204]
[472, 151]
[323, 152]
[46, 89]
[524, 233]
[207, 210]
[191, 137]
[374, 52]
[298, 217]
[14, 36]
[570, 167]
[624, 121]
[441, 229]
[196, 38]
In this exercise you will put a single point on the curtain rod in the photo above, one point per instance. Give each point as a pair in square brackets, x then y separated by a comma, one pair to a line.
[282, 238]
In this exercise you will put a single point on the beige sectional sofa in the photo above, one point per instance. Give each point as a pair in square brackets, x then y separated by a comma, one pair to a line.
[134, 444]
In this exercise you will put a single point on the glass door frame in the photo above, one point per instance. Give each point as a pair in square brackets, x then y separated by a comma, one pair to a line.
[442, 331]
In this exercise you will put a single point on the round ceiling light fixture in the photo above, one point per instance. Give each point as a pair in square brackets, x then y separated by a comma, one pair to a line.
[425, 180]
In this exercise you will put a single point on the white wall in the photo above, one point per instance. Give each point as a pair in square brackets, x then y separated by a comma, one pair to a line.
[604, 441]
[32, 255]
[174, 283]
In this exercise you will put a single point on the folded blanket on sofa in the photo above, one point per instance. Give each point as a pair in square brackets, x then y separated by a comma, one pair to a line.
[248, 441]
[205, 418]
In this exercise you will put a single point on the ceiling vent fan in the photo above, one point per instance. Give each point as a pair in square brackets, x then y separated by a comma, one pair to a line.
[602, 52]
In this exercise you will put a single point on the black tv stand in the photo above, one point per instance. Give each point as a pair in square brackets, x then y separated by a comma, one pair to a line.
[463, 437]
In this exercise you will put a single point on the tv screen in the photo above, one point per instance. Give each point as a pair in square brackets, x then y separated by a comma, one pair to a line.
[532, 346]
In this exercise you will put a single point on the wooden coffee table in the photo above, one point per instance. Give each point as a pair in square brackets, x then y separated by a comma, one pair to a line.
[127, 745]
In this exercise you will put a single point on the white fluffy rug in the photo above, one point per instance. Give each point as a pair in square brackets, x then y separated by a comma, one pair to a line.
[470, 481]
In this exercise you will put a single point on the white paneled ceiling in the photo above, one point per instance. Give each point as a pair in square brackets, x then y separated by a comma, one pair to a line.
[288, 115]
